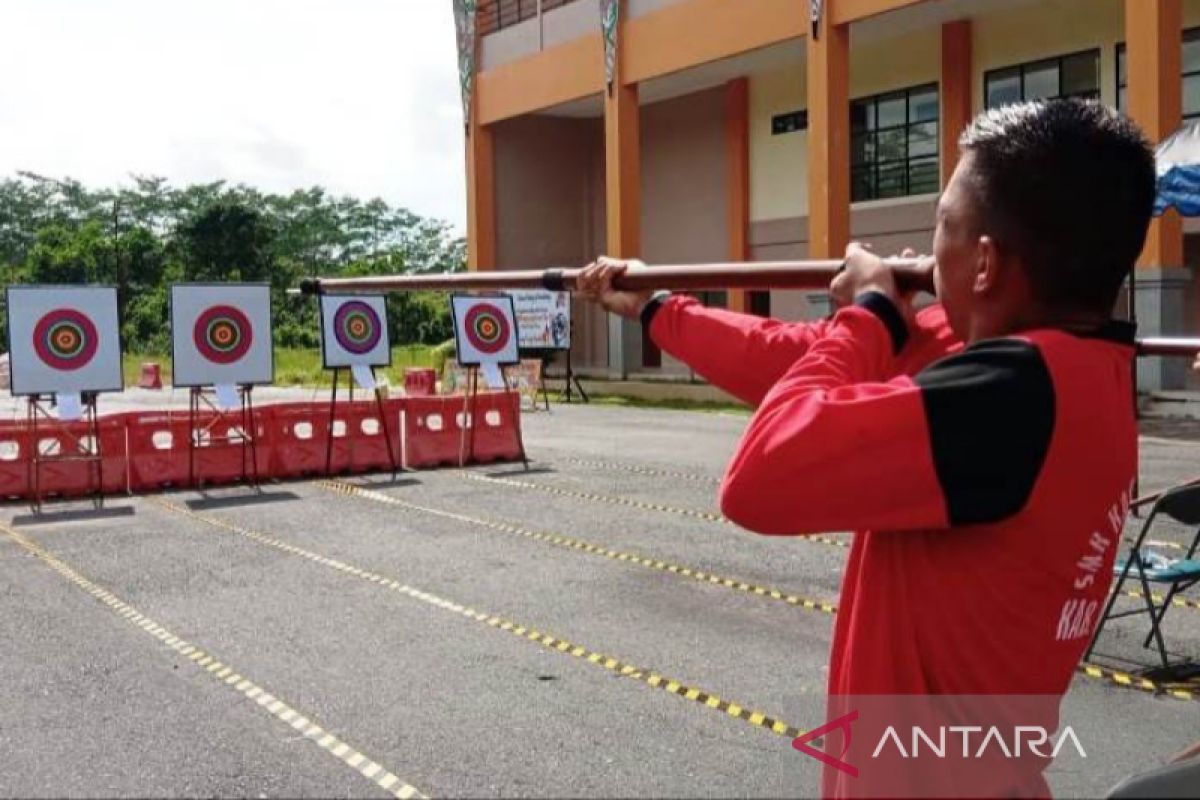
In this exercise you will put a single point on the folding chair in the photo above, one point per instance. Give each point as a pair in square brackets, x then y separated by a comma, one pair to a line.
[1181, 504]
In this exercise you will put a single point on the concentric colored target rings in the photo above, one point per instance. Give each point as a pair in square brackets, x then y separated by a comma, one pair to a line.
[356, 327]
[223, 334]
[65, 339]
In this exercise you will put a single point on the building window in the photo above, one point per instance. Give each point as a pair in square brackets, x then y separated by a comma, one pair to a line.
[1191, 76]
[1075, 75]
[494, 15]
[790, 122]
[894, 144]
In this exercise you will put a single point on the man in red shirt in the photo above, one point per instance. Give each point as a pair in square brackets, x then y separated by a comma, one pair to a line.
[987, 486]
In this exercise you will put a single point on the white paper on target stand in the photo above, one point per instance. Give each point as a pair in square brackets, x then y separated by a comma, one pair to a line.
[363, 376]
[70, 406]
[227, 396]
[493, 375]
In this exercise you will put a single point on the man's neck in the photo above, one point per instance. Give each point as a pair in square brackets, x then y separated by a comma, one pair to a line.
[1035, 319]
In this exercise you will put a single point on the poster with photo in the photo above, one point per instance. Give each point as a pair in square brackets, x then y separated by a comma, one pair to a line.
[543, 319]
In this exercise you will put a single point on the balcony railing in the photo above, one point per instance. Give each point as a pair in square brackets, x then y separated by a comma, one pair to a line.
[496, 15]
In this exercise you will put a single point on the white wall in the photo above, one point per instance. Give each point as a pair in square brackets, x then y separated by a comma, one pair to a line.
[778, 164]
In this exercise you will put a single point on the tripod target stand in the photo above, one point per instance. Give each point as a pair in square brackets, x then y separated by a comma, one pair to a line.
[201, 436]
[466, 450]
[85, 448]
[380, 409]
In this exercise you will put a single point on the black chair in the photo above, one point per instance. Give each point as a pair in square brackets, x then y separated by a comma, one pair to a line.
[1181, 504]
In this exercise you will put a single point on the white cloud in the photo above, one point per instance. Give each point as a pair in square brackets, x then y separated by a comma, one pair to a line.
[359, 96]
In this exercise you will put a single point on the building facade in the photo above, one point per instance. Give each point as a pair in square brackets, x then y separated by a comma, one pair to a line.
[732, 132]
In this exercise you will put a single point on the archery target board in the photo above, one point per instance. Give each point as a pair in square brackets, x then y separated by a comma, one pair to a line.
[221, 334]
[64, 339]
[485, 330]
[354, 331]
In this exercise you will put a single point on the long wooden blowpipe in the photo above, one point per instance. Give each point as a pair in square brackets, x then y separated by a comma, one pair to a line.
[813, 274]
[691, 277]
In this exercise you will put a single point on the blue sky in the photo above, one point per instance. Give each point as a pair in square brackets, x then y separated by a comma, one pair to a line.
[359, 96]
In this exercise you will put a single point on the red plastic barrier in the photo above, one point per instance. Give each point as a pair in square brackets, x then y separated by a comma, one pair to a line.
[419, 382]
[59, 473]
[368, 447]
[299, 432]
[158, 444]
[437, 429]
[496, 420]
[431, 435]
[301, 438]
[220, 456]
[14, 464]
[158, 450]
[148, 451]
[151, 376]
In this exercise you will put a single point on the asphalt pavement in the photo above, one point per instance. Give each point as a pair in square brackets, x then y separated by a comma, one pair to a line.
[589, 628]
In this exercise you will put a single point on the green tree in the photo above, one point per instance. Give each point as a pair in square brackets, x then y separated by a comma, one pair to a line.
[227, 241]
[62, 255]
[147, 234]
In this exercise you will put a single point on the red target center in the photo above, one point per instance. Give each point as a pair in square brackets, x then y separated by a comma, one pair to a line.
[223, 334]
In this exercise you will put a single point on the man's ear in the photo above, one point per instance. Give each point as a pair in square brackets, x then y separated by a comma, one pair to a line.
[987, 266]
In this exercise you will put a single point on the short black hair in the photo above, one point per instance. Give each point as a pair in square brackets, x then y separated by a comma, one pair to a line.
[1067, 186]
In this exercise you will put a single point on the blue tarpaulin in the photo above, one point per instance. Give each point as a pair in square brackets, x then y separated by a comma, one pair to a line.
[1179, 172]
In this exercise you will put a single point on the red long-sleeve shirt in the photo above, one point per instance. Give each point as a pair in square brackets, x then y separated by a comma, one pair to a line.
[987, 487]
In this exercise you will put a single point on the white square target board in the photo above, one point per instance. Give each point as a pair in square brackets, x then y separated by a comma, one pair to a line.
[485, 330]
[63, 339]
[354, 331]
[221, 334]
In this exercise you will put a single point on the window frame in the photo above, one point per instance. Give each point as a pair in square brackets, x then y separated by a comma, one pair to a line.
[874, 164]
[1120, 53]
[1058, 60]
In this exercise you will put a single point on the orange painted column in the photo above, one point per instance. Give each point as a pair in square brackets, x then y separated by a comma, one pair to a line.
[629, 347]
[954, 91]
[828, 140]
[737, 155]
[1154, 30]
[623, 171]
[481, 199]
[481, 183]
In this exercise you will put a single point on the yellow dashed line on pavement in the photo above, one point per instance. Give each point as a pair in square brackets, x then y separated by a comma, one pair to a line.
[1127, 681]
[244, 686]
[707, 516]
[553, 643]
[640, 470]
[1090, 671]
[1180, 602]
[1163, 543]
[579, 545]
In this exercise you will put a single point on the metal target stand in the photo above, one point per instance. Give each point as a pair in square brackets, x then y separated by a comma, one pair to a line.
[198, 397]
[382, 412]
[466, 447]
[85, 449]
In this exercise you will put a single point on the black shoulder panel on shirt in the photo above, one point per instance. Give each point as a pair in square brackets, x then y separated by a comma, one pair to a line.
[990, 411]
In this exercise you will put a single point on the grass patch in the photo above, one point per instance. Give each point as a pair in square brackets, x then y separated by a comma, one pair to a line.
[295, 367]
